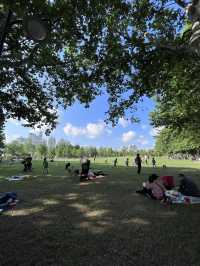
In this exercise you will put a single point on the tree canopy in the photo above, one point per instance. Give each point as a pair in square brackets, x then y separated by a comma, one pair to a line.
[178, 141]
[2, 139]
[127, 49]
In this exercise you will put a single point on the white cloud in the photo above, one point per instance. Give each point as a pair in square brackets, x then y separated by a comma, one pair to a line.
[38, 128]
[91, 130]
[155, 131]
[142, 140]
[128, 136]
[124, 122]
[71, 130]
[95, 130]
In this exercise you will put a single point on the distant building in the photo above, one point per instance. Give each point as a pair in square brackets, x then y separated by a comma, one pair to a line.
[36, 139]
[132, 148]
[51, 142]
[21, 140]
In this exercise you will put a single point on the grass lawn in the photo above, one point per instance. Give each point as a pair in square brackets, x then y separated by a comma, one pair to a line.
[60, 222]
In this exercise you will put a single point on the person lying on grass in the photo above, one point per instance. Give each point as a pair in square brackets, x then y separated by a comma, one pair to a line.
[92, 175]
[154, 188]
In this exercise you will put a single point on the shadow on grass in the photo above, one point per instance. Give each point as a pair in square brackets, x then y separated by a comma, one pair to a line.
[63, 222]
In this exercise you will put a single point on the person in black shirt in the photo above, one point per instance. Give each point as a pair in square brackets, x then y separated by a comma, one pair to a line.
[188, 187]
[138, 162]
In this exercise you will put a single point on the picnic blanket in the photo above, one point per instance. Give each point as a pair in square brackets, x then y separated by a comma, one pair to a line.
[176, 197]
[90, 178]
[95, 177]
[7, 201]
[16, 178]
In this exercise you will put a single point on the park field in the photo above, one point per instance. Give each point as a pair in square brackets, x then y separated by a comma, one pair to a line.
[61, 222]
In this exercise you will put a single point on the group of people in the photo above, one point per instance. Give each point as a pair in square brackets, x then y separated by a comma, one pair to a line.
[156, 187]
[85, 173]
[27, 162]
[137, 162]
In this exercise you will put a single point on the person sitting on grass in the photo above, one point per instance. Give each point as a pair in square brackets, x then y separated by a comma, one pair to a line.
[67, 166]
[29, 163]
[25, 165]
[45, 166]
[187, 192]
[188, 187]
[85, 167]
[76, 172]
[154, 188]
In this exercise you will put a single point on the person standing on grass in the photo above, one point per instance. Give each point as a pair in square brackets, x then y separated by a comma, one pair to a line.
[146, 159]
[115, 162]
[138, 162]
[45, 166]
[127, 162]
[153, 162]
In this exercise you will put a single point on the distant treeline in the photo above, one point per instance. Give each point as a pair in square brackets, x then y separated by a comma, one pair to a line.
[65, 149]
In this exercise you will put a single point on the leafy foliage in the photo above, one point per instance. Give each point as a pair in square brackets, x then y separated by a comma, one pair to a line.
[2, 139]
[178, 141]
[94, 47]
[178, 106]
[2, 135]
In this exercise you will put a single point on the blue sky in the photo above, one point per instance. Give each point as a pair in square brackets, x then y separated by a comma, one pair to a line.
[86, 127]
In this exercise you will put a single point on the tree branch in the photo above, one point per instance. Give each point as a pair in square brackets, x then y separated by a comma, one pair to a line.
[181, 3]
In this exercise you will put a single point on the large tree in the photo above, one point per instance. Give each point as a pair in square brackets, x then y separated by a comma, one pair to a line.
[2, 135]
[127, 49]
[178, 141]
[2, 140]
[178, 105]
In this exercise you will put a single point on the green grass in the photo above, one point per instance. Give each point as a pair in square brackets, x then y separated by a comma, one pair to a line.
[59, 221]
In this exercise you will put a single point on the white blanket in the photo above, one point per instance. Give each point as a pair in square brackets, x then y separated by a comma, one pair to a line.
[176, 197]
[16, 178]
